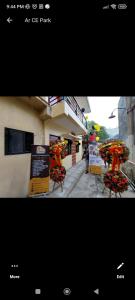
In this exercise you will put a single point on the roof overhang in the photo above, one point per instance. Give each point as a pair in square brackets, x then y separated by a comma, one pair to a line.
[70, 136]
[34, 101]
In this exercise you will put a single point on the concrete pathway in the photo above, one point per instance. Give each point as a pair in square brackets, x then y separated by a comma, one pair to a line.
[85, 187]
[72, 177]
[91, 186]
[80, 185]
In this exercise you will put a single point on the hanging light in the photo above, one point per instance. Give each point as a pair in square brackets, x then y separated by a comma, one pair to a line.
[112, 115]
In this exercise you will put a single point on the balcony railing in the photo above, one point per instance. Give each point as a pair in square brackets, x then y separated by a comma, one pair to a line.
[71, 101]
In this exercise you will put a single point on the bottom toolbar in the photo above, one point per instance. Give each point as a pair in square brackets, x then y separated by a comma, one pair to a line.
[83, 291]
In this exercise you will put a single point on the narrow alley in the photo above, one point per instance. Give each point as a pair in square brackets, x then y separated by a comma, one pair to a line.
[91, 186]
[81, 185]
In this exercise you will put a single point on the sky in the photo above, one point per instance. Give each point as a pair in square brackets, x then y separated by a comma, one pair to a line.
[101, 108]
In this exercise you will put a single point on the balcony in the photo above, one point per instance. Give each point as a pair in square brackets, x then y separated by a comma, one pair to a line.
[83, 102]
[68, 105]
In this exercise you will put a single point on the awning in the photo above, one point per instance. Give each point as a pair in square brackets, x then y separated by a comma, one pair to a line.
[70, 136]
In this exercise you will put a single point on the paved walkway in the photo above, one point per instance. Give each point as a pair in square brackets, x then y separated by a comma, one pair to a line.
[72, 177]
[91, 186]
[80, 185]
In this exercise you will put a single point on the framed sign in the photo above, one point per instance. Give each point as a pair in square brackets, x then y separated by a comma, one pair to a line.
[95, 161]
[39, 173]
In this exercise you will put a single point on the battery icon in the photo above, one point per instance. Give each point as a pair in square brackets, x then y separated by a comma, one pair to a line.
[122, 6]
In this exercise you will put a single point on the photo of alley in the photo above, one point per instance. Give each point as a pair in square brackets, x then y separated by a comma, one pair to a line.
[67, 147]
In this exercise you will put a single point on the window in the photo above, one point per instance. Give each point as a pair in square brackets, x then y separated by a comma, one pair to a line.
[17, 141]
[29, 140]
[53, 138]
[69, 145]
[77, 147]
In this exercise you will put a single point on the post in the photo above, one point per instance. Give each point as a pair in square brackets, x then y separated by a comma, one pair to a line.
[103, 190]
[54, 185]
[110, 194]
[62, 186]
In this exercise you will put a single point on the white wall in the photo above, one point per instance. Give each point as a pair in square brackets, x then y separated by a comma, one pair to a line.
[15, 169]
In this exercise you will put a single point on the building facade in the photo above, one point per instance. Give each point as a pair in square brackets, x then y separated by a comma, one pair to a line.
[122, 116]
[127, 131]
[130, 102]
[37, 120]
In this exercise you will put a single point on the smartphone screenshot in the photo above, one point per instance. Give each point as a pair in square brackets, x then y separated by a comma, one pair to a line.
[67, 189]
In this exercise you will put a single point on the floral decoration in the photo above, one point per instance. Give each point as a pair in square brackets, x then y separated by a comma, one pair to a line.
[58, 151]
[116, 181]
[58, 173]
[114, 148]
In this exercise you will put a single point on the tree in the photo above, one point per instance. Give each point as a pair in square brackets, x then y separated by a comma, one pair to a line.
[103, 135]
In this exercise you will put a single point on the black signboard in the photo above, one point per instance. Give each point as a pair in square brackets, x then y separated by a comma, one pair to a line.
[40, 161]
[39, 176]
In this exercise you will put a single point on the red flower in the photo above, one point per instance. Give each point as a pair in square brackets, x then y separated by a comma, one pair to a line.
[58, 173]
[115, 181]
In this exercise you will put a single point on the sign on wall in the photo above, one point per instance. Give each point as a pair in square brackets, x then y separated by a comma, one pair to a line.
[95, 162]
[39, 174]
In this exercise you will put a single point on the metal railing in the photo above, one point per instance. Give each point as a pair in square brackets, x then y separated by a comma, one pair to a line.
[131, 183]
[52, 100]
[131, 162]
[71, 101]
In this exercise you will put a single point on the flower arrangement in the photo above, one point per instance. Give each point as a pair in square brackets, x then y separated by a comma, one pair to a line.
[124, 156]
[115, 153]
[115, 181]
[112, 148]
[58, 148]
[64, 152]
[105, 155]
[55, 148]
[58, 151]
[58, 173]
